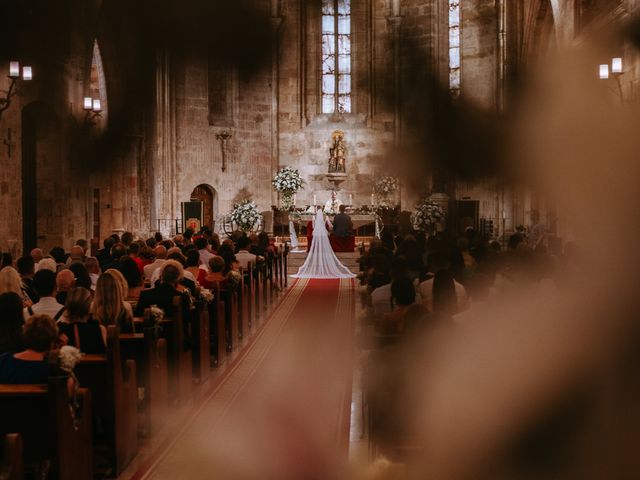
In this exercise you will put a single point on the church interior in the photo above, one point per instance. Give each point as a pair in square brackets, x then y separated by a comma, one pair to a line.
[319, 239]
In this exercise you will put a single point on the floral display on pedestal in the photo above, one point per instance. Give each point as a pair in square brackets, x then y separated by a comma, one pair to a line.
[245, 215]
[427, 216]
[287, 182]
[384, 188]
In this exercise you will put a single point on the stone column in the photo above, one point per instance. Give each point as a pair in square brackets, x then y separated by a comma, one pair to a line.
[163, 206]
[395, 22]
[276, 22]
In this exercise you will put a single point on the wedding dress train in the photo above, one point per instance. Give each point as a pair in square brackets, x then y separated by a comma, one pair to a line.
[321, 262]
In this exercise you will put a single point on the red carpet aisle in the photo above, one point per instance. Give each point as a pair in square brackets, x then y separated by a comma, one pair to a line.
[283, 411]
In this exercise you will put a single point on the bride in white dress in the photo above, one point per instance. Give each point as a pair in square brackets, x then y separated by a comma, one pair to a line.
[321, 262]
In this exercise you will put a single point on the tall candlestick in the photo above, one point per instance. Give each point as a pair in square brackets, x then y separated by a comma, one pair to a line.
[373, 199]
[350, 199]
[314, 200]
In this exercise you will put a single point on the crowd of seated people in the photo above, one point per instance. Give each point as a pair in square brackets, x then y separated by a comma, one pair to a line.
[79, 295]
[416, 288]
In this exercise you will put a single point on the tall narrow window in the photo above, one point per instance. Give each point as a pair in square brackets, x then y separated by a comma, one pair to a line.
[97, 81]
[454, 47]
[336, 56]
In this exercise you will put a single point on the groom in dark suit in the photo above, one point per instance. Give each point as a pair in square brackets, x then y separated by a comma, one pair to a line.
[342, 239]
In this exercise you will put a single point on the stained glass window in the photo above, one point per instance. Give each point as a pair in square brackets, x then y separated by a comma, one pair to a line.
[336, 56]
[454, 47]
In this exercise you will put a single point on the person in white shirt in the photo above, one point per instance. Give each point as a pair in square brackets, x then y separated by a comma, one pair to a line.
[243, 256]
[93, 267]
[160, 253]
[203, 251]
[44, 283]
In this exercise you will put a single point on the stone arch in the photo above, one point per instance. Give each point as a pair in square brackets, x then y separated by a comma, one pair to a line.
[206, 194]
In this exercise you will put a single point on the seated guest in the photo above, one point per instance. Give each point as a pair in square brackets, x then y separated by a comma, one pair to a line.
[193, 264]
[187, 279]
[59, 255]
[203, 251]
[37, 255]
[10, 282]
[215, 278]
[81, 274]
[93, 267]
[6, 260]
[65, 281]
[104, 254]
[124, 286]
[76, 254]
[381, 301]
[118, 251]
[438, 262]
[160, 255]
[163, 294]
[30, 366]
[131, 274]
[11, 323]
[78, 328]
[243, 256]
[134, 254]
[47, 264]
[403, 295]
[44, 282]
[25, 267]
[108, 305]
[342, 239]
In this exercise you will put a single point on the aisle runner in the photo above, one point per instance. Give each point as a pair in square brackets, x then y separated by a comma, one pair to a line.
[280, 414]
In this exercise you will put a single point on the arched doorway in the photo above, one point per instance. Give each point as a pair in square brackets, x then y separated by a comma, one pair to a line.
[41, 159]
[207, 195]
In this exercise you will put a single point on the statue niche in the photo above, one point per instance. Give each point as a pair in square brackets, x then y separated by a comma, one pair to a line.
[337, 161]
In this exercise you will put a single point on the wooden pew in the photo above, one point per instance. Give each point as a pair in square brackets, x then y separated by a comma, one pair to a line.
[258, 291]
[286, 266]
[41, 415]
[217, 327]
[201, 342]
[179, 353]
[150, 354]
[244, 304]
[113, 386]
[11, 465]
[250, 301]
[230, 298]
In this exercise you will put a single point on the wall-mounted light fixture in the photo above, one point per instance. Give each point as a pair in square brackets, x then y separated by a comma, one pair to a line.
[615, 70]
[93, 108]
[14, 76]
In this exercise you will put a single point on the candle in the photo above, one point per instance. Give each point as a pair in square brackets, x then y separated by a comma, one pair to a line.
[87, 103]
[97, 107]
[27, 73]
[314, 200]
[350, 199]
[14, 69]
[616, 65]
[373, 199]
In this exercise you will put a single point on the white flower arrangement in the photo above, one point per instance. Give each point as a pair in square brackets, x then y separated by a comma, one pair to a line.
[68, 357]
[206, 295]
[245, 215]
[386, 186]
[156, 313]
[427, 215]
[287, 182]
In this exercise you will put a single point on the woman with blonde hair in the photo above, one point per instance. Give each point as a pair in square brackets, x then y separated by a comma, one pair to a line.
[10, 281]
[109, 307]
[124, 287]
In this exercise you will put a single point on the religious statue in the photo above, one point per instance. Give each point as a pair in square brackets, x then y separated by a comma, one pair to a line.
[337, 162]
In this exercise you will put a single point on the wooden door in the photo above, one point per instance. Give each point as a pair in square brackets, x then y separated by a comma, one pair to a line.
[204, 194]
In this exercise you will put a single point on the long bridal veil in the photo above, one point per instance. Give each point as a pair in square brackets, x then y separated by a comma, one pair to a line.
[321, 262]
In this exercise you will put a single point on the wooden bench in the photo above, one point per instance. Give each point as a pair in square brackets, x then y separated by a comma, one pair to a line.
[218, 341]
[11, 463]
[179, 346]
[150, 354]
[113, 386]
[40, 415]
[200, 328]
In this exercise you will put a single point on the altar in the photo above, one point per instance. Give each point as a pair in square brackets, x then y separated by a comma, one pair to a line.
[359, 221]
